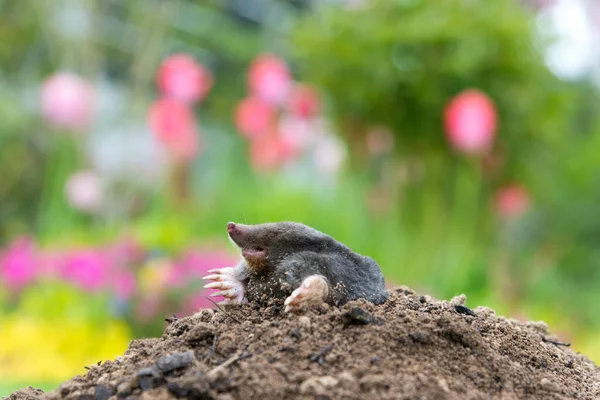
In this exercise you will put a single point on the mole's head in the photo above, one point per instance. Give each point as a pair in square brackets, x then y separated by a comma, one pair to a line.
[265, 245]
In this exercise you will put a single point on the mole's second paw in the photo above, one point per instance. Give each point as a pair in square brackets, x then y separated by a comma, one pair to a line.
[313, 290]
[230, 287]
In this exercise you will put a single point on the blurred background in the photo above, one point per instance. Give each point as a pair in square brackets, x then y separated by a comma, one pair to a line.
[456, 142]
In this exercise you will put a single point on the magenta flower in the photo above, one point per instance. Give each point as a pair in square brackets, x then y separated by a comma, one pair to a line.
[470, 120]
[174, 127]
[269, 78]
[182, 78]
[303, 101]
[254, 117]
[87, 269]
[84, 191]
[67, 101]
[512, 201]
[18, 264]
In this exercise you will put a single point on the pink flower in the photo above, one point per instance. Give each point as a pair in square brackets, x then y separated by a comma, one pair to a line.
[269, 152]
[512, 201]
[87, 269]
[269, 78]
[18, 264]
[303, 101]
[254, 117]
[51, 264]
[84, 191]
[297, 134]
[67, 101]
[174, 126]
[182, 78]
[470, 121]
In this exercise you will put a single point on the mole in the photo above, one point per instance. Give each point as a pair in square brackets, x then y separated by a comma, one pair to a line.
[297, 264]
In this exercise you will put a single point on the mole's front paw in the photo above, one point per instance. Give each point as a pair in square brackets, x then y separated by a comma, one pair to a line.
[231, 288]
[313, 290]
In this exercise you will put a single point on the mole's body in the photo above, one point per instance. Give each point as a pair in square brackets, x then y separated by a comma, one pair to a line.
[297, 264]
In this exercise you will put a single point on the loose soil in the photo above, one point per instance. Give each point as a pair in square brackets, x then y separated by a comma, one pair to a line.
[411, 347]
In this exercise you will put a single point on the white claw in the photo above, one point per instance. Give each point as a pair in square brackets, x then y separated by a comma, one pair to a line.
[313, 289]
[231, 293]
[226, 280]
[212, 277]
[222, 285]
[291, 298]
[224, 271]
[214, 285]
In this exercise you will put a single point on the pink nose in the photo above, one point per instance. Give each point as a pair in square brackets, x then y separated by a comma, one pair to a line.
[231, 227]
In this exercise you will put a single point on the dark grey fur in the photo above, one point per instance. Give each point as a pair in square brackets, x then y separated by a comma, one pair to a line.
[295, 251]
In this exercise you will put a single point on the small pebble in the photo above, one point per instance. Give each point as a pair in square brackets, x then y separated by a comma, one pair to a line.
[304, 322]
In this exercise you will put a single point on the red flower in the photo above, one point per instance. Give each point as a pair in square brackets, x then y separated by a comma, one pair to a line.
[174, 126]
[470, 120]
[269, 78]
[182, 78]
[67, 101]
[304, 101]
[254, 117]
[512, 201]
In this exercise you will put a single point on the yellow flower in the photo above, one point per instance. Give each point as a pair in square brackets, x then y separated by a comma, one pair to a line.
[38, 350]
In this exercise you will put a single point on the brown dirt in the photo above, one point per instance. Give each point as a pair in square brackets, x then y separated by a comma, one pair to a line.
[411, 347]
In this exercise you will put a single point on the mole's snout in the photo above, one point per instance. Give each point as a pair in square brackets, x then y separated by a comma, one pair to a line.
[231, 227]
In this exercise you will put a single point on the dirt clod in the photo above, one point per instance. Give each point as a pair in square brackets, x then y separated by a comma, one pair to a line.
[175, 361]
[358, 316]
[464, 310]
[410, 347]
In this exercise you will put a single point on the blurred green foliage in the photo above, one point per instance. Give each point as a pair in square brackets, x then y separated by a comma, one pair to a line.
[397, 64]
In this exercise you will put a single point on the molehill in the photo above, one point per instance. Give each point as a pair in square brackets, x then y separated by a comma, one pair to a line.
[411, 347]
